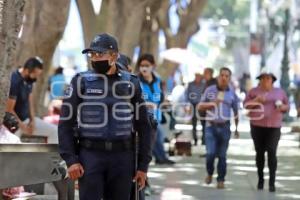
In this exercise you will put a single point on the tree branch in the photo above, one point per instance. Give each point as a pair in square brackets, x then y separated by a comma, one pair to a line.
[163, 20]
[134, 20]
[189, 19]
[88, 18]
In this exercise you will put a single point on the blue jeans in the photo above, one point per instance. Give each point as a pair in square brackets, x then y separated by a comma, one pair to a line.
[217, 140]
[158, 149]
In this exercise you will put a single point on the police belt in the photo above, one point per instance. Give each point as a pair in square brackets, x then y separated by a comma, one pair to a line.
[106, 145]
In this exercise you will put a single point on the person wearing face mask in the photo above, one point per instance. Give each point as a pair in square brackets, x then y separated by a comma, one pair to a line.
[101, 110]
[153, 95]
[20, 101]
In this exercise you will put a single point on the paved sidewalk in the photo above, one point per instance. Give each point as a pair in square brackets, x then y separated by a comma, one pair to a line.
[185, 181]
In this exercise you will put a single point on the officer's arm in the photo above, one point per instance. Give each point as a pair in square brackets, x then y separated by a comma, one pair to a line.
[143, 127]
[67, 123]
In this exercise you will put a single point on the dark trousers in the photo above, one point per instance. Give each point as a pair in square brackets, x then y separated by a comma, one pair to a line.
[194, 123]
[172, 121]
[203, 132]
[107, 175]
[266, 140]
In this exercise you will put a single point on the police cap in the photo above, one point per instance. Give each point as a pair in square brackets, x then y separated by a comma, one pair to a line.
[102, 43]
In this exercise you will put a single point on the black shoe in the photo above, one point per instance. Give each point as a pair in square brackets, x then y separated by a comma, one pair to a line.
[159, 162]
[272, 188]
[260, 185]
[169, 162]
[195, 142]
[164, 162]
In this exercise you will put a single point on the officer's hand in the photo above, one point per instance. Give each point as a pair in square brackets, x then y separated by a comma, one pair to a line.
[140, 178]
[75, 171]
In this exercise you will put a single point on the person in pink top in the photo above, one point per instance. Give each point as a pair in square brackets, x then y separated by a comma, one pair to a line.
[266, 105]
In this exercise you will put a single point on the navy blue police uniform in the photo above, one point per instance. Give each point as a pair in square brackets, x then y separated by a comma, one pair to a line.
[98, 116]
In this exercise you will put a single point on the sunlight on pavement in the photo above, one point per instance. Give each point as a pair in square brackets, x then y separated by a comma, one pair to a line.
[289, 196]
[171, 194]
[163, 169]
[288, 178]
[154, 175]
[189, 172]
[248, 169]
[187, 169]
[240, 173]
[241, 162]
[190, 182]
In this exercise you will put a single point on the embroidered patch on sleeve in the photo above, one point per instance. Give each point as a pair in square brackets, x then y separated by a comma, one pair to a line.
[68, 91]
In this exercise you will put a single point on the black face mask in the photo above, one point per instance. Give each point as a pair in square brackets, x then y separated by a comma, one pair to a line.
[30, 80]
[101, 67]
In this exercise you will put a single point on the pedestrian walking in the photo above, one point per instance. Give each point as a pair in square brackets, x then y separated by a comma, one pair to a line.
[267, 105]
[193, 95]
[209, 81]
[218, 101]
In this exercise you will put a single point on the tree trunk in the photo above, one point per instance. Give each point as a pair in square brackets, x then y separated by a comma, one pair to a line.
[125, 20]
[188, 26]
[11, 15]
[120, 18]
[149, 38]
[42, 30]
[92, 24]
[131, 31]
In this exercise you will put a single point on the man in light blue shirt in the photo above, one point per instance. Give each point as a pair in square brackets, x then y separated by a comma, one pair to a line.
[218, 101]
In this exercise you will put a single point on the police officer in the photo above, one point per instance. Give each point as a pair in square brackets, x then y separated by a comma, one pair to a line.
[95, 130]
